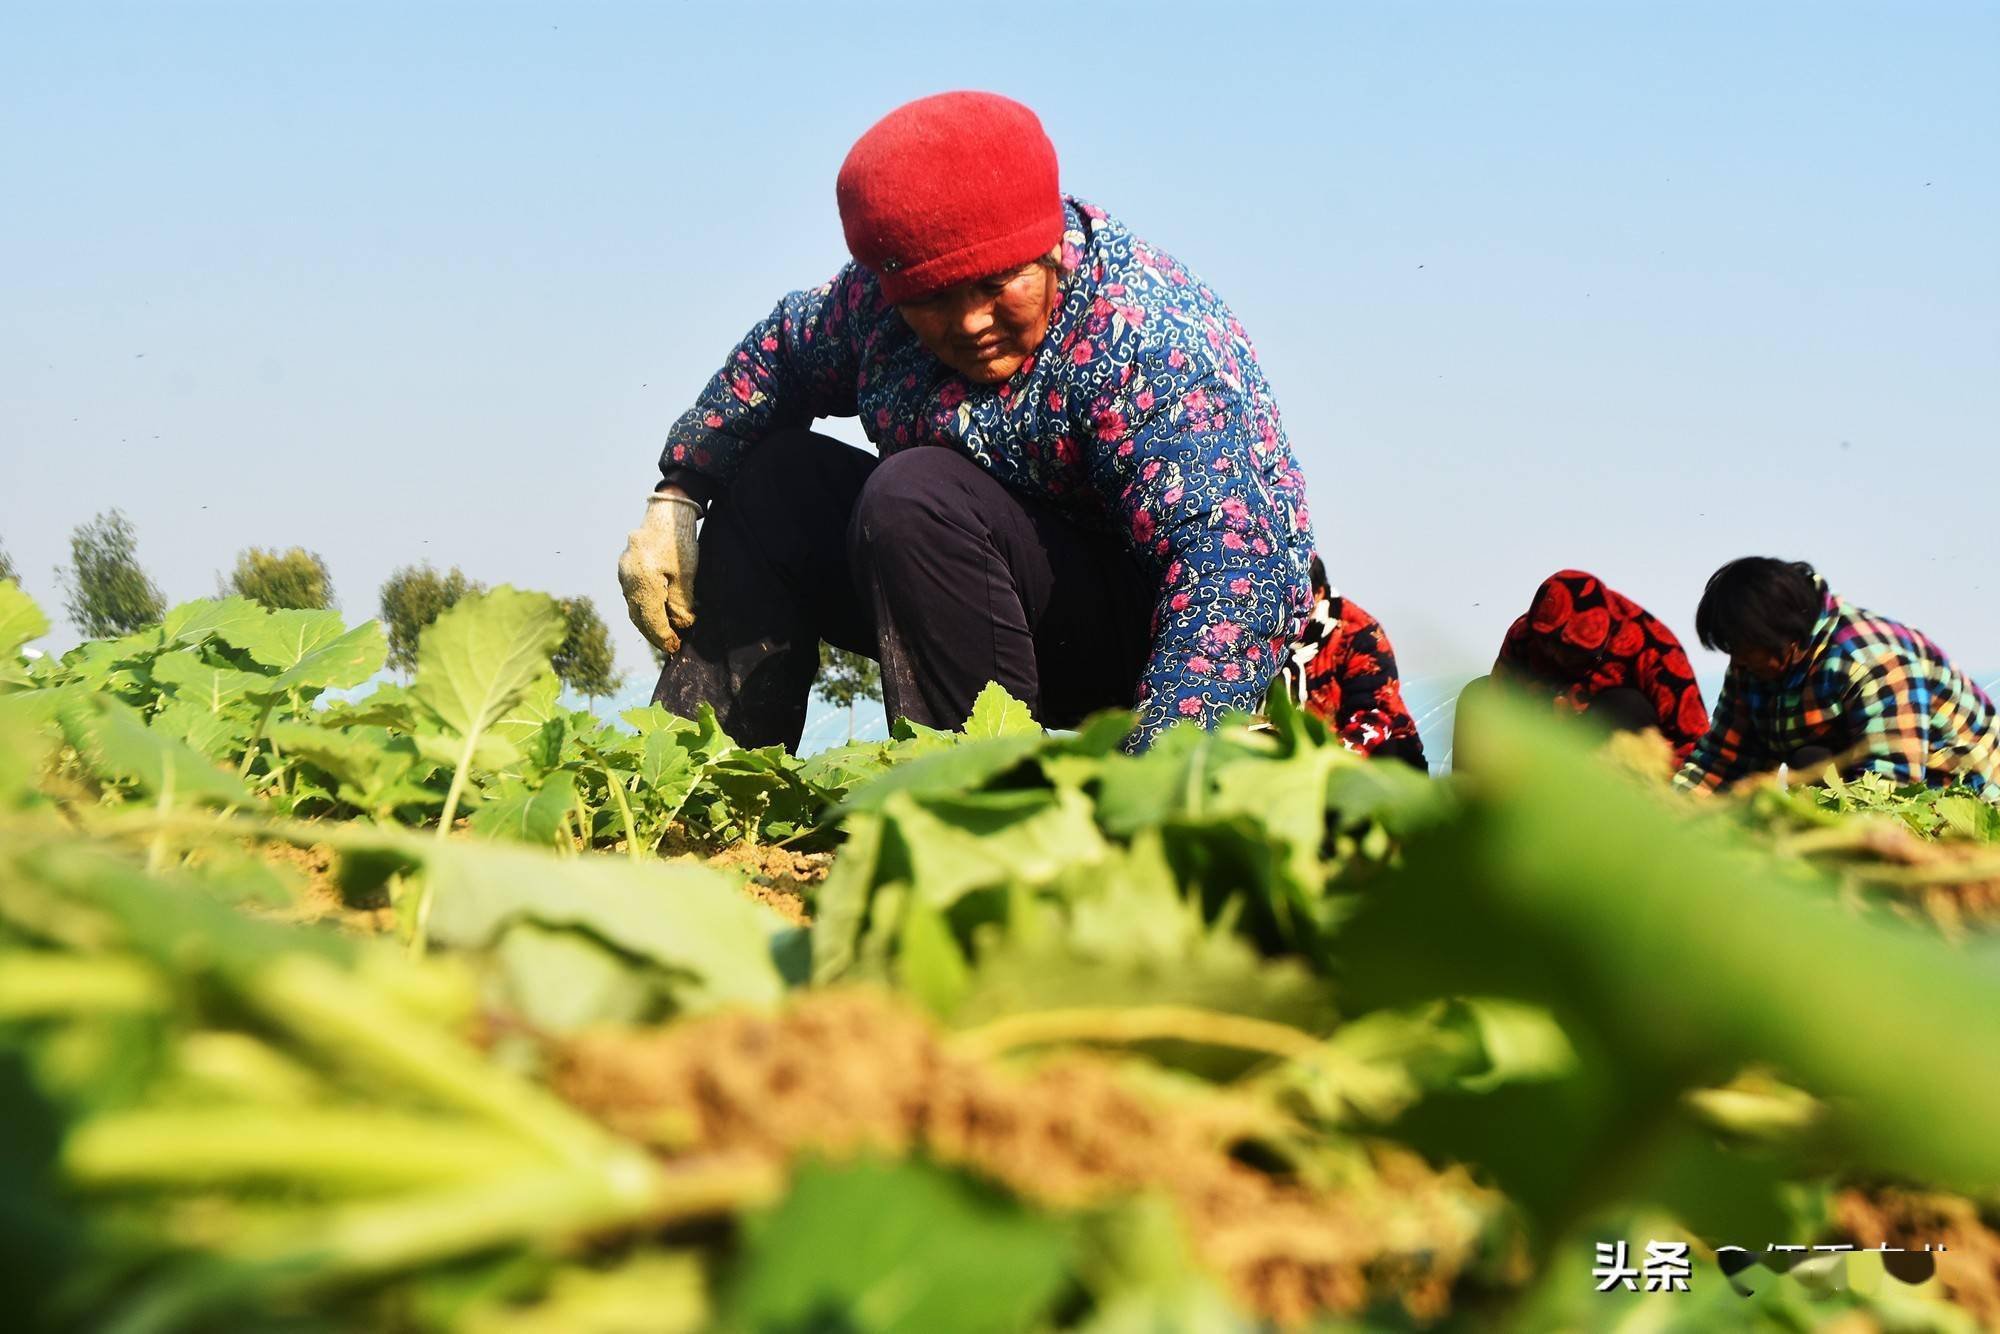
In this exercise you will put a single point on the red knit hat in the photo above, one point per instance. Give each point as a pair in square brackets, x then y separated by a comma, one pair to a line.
[949, 188]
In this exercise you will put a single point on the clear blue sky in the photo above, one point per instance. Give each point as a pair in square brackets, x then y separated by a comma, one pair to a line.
[1632, 287]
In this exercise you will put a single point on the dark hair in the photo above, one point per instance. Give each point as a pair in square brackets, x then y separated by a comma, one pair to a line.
[1758, 602]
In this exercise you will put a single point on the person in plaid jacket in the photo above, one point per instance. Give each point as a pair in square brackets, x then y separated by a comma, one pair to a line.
[1813, 680]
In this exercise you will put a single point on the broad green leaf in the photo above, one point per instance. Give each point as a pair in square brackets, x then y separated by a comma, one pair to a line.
[1286, 797]
[114, 664]
[364, 758]
[901, 1248]
[840, 909]
[763, 790]
[1388, 792]
[1077, 758]
[20, 621]
[187, 934]
[1668, 956]
[959, 768]
[929, 964]
[997, 713]
[236, 621]
[1143, 791]
[1520, 1042]
[478, 658]
[537, 725]
[372, 767]
[217, 735]
[536, 706]
[25, 746]
[1128, 906]
[688, 919]
[475, 662]
[115, 743]
[1100, 735]
[562, 981]
[340, 663]
[490, 754]
[543, 748]
[1968, 817]
[386, 705]
[208, 688]
[707, 739]
[284, 639]
[653, 718]
[667, 774]
[838, 769]
[662, 758]
[958, 844]
[528, 814]
[926, 737]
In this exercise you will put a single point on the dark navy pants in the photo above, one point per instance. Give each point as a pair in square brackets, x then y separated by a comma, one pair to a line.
[924, 562]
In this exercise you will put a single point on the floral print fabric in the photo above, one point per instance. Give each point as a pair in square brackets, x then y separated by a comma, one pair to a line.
[1581, 638]
[1144, 411]
[1343, 669]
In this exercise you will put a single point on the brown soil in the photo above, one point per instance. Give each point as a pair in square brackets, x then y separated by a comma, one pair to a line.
[845, 1072]
[773, 876]
[321, 900]
[776, 877]
[1969, 1265]
[1954, 906]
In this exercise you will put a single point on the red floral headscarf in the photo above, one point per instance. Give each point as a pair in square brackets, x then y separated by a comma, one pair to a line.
[1583, 639]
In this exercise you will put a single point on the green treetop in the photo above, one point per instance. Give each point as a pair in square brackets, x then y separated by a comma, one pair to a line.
[585, 660]
[846, 679]
[280, 580]
[413, 597]
[106, 593]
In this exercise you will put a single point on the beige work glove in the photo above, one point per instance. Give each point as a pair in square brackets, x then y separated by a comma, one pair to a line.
[657, 570]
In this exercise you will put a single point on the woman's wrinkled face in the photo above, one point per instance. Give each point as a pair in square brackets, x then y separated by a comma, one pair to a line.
[985, 329]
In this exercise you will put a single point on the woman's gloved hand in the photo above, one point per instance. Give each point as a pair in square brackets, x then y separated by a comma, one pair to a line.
[657, 570]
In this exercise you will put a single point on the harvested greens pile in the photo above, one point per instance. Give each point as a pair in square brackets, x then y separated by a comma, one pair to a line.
[445, 1007]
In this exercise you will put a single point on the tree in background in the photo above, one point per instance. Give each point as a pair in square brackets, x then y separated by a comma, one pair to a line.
[296, 579]
[7, 570]
[585, 660]
[413, 597]
[106, 593]
[845, 679]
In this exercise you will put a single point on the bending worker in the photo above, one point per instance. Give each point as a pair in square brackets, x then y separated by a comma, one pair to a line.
[1084, 490]
[1343, 668]
[1593, 652]
[1814, 681]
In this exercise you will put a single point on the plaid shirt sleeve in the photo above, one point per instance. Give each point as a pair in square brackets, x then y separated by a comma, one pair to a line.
[1729, 749]
[1886, 706]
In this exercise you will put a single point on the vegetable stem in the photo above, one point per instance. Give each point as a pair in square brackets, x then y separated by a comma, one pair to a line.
[337, 1149]
[1146, 1023]
[37, 984]
[348, 1021]
[623, 1190]
[617, 786]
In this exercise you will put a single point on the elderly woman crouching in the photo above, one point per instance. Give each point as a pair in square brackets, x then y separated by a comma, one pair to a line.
[1083, 490]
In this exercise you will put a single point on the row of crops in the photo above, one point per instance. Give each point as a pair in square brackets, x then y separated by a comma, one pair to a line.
[441, 1006]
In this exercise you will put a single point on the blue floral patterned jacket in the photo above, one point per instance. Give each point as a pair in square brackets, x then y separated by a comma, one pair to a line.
[1144, 410]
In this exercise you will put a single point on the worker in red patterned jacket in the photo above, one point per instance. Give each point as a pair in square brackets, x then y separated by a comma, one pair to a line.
[1343, 669]
[1083, 489]
[1593, 652]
